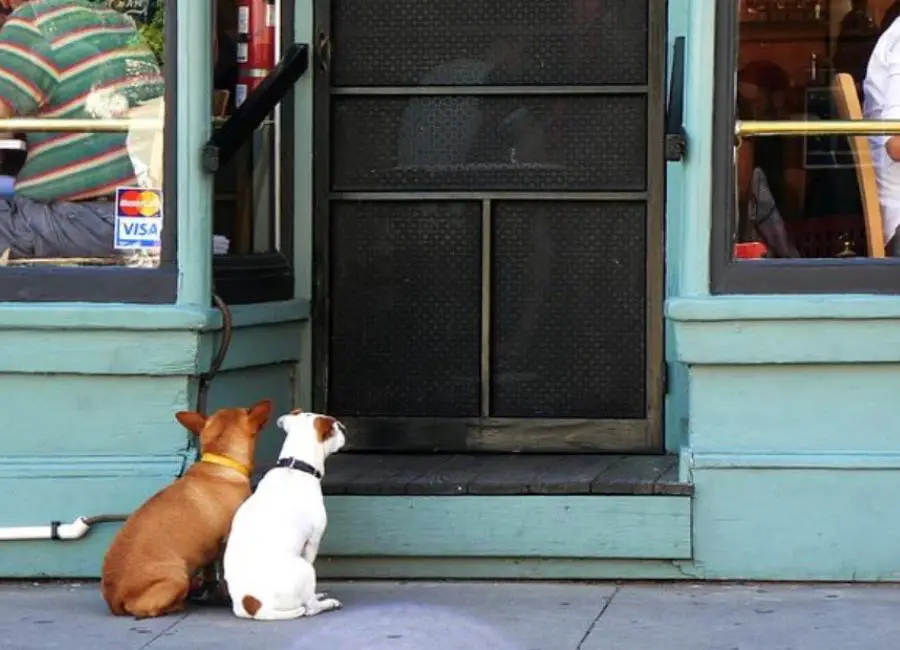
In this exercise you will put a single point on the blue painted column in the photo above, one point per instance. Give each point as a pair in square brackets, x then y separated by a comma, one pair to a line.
[195, 187]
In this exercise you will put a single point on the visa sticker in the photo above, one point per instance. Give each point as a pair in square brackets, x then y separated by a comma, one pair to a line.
[139, 221]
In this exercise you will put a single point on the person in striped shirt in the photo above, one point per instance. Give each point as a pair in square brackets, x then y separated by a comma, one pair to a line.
[63, 59]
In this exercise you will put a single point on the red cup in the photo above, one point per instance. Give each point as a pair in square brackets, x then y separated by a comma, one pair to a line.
[751, 250]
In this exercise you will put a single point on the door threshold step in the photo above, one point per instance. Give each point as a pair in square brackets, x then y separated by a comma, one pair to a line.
[503, 474]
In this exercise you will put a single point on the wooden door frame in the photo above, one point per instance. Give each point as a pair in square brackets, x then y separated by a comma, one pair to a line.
[424, 434]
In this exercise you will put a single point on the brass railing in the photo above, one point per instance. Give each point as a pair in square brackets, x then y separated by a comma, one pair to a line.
[65, 125]
[762, 128]
[62, 125]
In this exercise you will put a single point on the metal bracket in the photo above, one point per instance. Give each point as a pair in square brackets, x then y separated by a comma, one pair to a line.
[238, 128]
[676, 146]
[676, 138]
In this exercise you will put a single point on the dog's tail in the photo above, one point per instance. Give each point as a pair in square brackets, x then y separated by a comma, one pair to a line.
[251, 607]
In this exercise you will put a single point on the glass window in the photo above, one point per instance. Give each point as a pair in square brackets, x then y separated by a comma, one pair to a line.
[252, 201]
[807, 189]
[82, 160]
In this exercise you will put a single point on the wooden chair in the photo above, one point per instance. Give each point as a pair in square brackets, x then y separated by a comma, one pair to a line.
[146, 145]
[846, 100]
[220, 102]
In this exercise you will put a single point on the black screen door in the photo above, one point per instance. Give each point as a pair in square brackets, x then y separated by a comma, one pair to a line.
[489, 215]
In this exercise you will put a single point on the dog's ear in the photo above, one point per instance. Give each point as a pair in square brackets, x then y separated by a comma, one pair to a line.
[324, 427]
[259, 413]
[193, 422]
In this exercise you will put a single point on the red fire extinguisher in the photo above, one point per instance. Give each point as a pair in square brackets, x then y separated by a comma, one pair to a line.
[255, 46]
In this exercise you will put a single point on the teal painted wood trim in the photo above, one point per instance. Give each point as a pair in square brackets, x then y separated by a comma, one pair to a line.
[784, 329]
[797, 524]
[99, 352]
[83, 414]
[761, 409]
[693, 271]
[195, 187]
[676, 400]
[304, 32]
[39, 499]
[406, 568]
[786, 342]
[256, 346]
[677, 407]
[677, 20]
[304, 373]
[81, 343]
[798, 461]
[90, 466]
[99, 316]
[685, 465]
[783, 307]
[531, 526]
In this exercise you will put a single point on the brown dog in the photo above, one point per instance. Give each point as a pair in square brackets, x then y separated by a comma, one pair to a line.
[149, 565]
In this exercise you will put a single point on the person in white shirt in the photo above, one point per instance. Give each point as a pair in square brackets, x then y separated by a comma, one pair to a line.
[881, 101]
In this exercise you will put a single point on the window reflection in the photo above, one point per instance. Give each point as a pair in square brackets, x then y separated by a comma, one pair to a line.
[62, 59]
[817, 196]
[502, 130]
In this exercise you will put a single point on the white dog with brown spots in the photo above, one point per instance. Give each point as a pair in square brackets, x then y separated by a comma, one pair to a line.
[275, 536]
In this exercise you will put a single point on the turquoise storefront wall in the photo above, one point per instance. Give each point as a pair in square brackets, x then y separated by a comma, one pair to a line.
[89, 390]
[780, 406]
[790, 436]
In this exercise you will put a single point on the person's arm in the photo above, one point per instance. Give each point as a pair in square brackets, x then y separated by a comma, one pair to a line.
[893, 147]
[27, 70]
[892, 93]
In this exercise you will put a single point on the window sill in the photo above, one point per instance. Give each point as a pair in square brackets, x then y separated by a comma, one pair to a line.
[765, 330]
[118, 316]
[783, 307]
[101, 316]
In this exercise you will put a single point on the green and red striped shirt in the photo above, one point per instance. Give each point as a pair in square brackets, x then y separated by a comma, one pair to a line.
[54, 54]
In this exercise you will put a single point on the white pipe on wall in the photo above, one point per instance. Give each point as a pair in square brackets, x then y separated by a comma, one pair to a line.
[55, 530]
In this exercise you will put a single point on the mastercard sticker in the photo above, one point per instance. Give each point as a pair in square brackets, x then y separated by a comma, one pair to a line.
[138, 218]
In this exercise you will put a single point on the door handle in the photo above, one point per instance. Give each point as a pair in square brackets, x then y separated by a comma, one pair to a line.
[323, 52]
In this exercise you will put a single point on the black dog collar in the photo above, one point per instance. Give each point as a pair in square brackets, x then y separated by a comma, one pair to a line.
[299, 465]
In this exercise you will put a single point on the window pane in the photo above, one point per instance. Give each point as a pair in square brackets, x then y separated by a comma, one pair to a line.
[76, 194]
[410, 42]
[816, 196]
[246, 47]
[568, 281]
[405, 340]
[453, 142]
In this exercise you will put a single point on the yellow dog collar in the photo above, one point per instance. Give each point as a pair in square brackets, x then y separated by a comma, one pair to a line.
[224, 461]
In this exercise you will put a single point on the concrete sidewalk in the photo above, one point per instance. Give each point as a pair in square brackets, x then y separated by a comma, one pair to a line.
[482, 616]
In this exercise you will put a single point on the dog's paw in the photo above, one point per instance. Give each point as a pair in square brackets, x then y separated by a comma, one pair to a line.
[321, 595]
[328, 604]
